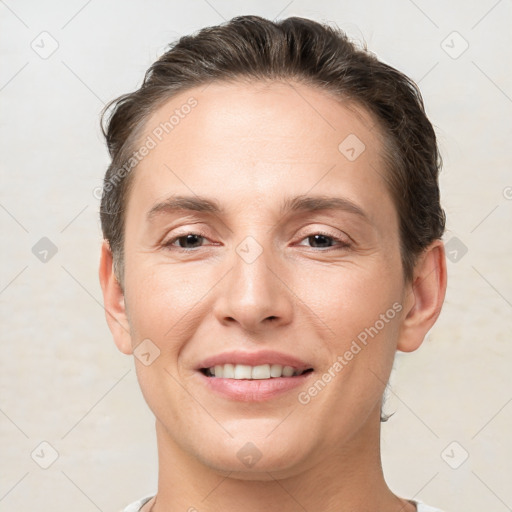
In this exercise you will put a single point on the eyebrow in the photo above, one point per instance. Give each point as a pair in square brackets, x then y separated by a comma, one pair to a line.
[300, 203]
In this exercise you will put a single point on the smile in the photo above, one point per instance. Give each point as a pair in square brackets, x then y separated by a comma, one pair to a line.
[243, 371]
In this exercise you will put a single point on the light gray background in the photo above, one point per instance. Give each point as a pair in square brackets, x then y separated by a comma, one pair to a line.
[62, 379]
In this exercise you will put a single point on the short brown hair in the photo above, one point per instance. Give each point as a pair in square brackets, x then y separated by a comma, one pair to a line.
[254, 48]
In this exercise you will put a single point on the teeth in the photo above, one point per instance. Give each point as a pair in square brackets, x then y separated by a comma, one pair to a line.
[276, 370]
[243, 371]
[287, 371]
[261, 372]
[228, 371]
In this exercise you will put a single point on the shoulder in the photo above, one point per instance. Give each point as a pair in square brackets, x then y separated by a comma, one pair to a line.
[423, 507]
[137, 505]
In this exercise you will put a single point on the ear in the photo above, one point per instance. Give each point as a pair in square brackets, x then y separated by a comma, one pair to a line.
[113, 299]
[424, 298]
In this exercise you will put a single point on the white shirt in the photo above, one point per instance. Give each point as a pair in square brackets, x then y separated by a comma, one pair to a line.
[137, 505]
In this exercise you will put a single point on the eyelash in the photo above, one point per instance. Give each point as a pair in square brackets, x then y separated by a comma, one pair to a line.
[343, 244]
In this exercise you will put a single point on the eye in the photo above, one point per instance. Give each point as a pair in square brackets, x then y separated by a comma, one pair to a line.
[192, 240]
[325, 238]
[185, 240]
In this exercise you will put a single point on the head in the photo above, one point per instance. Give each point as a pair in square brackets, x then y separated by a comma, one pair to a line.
[245, 141]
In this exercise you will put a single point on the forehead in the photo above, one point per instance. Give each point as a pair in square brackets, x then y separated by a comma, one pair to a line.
[252, 143]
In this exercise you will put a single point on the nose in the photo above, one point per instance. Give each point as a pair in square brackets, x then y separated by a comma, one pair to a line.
[254, 293]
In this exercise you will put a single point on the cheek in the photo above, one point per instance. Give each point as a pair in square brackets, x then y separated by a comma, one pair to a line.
[159, 295]
[167, 304]
[164, 298]
[362, 309]
[350, 301]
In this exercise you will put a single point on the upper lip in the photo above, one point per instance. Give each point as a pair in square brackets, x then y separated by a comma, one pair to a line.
[254, 359]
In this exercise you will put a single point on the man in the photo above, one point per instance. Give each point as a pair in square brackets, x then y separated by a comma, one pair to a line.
[303, 173]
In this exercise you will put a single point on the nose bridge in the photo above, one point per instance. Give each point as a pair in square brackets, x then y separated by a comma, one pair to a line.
[251, 275]
[253, 293]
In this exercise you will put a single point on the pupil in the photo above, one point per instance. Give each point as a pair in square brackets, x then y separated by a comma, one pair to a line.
[188, 238]
[315, 238]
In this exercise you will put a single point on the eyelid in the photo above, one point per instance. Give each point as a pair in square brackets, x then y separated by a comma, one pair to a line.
[311, 230]
[175, 236]
[341, 241]
[176, 231]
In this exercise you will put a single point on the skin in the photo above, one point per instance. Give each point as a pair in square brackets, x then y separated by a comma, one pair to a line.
[249, 146]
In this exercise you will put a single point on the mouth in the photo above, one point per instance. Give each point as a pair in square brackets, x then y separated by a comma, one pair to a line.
[253, 376]
[248, 372]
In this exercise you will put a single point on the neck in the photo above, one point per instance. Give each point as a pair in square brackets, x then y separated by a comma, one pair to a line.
[348, 478]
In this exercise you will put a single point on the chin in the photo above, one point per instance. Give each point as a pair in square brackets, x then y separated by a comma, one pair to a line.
[253, 457]
[263, 470]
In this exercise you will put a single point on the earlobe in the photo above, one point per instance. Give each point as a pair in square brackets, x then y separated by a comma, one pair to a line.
[114, 302]
[425, 298]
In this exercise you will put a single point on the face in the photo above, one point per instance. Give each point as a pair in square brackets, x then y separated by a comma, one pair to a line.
[286, 253]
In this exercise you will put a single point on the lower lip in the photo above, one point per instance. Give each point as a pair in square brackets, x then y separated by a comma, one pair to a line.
[257, 390]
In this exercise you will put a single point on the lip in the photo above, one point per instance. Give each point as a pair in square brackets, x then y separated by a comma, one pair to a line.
[254, 390]
[257, 390]
[254, 359]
